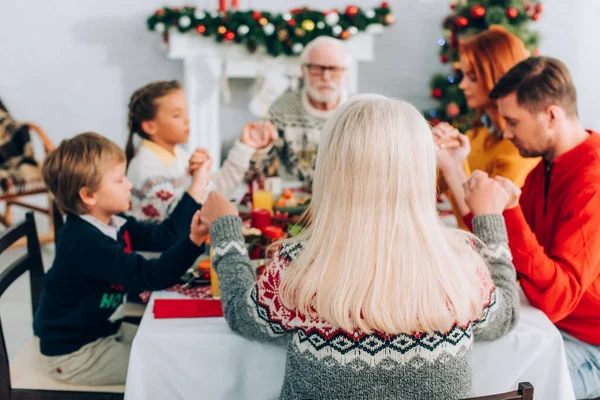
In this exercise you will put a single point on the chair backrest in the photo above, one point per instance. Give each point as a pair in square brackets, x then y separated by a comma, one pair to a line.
[58, 219]
[525, 392]
[32, 262]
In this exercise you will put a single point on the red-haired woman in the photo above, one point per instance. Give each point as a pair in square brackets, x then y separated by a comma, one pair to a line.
[484, 59]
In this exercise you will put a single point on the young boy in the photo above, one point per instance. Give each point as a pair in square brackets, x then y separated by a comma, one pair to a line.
[78, 321]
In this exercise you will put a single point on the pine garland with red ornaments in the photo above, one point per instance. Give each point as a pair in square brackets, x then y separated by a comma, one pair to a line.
[278, 33]
[469, 17]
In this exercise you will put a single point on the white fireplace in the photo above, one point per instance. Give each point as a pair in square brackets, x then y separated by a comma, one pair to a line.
[206, 62]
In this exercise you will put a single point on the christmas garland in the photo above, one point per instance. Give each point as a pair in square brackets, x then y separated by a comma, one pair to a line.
[279, 34]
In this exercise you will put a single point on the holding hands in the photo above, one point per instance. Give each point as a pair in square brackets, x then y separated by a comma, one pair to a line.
[484, 195]
[198, 231]
[452, 146]
[215, 207]
[258, 135]
[513, 191]
[200, 164]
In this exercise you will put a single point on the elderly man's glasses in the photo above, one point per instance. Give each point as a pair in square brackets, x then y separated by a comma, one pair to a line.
[319, 70]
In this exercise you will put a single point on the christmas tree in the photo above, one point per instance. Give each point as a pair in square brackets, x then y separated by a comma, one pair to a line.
[469, 17]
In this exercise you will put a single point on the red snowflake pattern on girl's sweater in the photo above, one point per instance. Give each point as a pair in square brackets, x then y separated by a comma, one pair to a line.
[164, 195]
[150, 211]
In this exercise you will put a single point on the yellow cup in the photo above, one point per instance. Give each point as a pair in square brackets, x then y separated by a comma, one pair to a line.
[262, 199]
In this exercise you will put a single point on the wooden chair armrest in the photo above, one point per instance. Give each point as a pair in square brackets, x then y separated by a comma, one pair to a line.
[48, 145]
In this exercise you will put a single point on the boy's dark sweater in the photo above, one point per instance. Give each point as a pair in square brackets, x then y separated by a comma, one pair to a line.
[90, 272]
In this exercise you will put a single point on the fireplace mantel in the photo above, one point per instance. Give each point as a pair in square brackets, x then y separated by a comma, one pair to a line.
[206, 62]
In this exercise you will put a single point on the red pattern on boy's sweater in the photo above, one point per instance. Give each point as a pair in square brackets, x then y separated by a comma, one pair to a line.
[127, 240]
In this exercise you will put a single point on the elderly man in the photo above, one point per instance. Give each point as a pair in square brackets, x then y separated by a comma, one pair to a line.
[298, 116]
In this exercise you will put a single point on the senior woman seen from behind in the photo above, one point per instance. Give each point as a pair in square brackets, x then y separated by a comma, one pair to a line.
[380, 299]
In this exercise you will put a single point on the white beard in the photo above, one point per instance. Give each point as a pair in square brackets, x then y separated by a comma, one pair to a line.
[316, 95]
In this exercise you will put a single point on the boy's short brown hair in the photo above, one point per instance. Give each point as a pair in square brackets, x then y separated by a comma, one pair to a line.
[77, 163]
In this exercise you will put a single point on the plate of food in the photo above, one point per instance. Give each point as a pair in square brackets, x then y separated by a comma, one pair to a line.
[292, 203]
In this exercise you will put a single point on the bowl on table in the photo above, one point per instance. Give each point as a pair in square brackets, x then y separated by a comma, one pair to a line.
[292, 203]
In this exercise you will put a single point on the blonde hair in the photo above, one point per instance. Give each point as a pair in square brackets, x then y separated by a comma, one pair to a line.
[77, 163]
[376, 256]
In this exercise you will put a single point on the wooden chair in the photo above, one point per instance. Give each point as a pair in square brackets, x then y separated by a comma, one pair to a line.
[23, 379]
[58, 219]
[525, 392]
[14, 194]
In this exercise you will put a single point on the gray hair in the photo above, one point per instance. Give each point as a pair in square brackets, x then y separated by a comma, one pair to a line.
[323, 41]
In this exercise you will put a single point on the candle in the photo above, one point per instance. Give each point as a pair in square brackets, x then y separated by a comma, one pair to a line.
[214, 279]
[260, 218]
[222, 5]
[235, 4]
[273, 232]
[262, 199]
[271, 235]
[214, 284]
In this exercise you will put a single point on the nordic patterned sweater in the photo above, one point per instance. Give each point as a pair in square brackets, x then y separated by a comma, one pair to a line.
[325, 362]
[160, 178]
[299, 125]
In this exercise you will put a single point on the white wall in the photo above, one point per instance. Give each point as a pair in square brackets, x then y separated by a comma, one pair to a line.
[71, 65]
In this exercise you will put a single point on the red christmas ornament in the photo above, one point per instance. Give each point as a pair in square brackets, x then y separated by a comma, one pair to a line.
[512, 13]
[462, 22]
[528, 8]
[256, 14]
[453, 5]
[452, 110]
[535, 17]
[436, 93]
[385, 4]
[477, 12]
[444, 58]
[539, 8]
[160, 12]
[201, 29]
[351, 11]
[434, 121]
[345, 35]
[291, 22]
[229, 36]
[175, 9]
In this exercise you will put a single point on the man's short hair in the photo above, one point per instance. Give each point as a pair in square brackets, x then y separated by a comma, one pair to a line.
[539, 82]
[77, 163]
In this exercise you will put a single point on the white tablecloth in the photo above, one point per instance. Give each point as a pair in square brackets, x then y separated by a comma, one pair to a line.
[203, 359]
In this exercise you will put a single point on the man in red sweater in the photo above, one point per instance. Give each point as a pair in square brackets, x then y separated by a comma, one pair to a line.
[554, 225]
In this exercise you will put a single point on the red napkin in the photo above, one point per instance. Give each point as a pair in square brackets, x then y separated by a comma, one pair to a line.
[187, 308]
